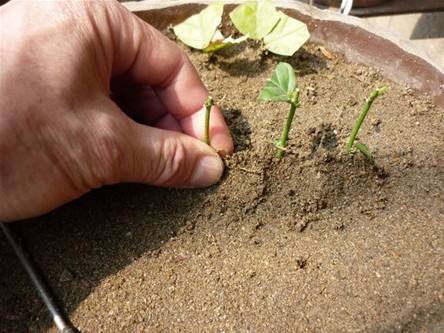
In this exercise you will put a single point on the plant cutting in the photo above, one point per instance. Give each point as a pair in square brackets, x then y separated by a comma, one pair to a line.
[208, 105]
[260, 20]
[352, 146]
[282, 88]
[200, 31]
[281, 34]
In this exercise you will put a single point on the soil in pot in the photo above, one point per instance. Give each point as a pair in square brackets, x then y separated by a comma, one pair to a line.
[321, 241]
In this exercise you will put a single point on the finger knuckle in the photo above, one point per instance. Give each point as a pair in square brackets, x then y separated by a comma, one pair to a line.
[108, 151]
[174, 169]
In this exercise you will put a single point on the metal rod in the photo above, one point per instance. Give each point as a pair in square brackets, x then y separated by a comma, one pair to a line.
[346, 6]
[58, 318]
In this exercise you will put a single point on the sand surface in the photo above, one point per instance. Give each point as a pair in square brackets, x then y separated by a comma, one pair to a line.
[320, 241]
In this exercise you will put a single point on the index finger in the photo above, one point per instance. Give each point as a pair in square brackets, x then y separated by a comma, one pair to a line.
[159, 63]
[149, 58]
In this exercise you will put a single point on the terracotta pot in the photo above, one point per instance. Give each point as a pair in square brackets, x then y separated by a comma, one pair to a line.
[357, 39]
[356, 3]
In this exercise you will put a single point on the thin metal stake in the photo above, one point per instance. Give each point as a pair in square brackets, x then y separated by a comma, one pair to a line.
[346, 6]
[45, 294]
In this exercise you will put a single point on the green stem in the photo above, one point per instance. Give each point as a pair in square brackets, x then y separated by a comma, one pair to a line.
[208, 105]
[360, 120]
[284, 136]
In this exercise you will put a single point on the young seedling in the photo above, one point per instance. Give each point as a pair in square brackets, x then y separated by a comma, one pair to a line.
[282, 88]
[208, 105]
[281, 34]
[352, 146]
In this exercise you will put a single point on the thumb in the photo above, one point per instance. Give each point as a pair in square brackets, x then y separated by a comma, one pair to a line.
[171, 159]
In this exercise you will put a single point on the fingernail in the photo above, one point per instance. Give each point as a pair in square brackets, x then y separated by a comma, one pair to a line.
[208, 171]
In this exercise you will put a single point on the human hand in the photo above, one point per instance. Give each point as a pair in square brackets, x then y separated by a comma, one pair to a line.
[61, 134]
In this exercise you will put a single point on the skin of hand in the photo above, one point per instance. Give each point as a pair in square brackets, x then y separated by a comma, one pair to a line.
[91, 95]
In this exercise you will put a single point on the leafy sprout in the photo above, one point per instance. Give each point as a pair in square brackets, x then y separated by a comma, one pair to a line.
[352, 146]
[200, 31]
[282, 88]
[281, 34]
[259, 20]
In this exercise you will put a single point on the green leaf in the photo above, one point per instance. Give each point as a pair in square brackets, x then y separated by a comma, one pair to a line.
[255, 19]
[287, 37]
[281, 86]
[364, 150]
[198, 30]
[219, 42]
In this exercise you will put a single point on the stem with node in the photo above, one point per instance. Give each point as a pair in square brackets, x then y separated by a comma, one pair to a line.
[282, 88]
[282, 143]
[208, 105]
[351, 145]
